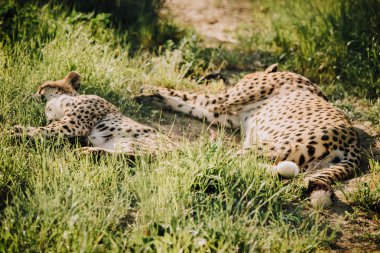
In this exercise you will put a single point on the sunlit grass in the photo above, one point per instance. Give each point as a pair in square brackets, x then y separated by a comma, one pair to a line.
[196, 198]
[201, 197]
[367, 194]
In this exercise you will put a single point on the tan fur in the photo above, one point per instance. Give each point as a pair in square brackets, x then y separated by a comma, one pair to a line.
[283, 116]
[90, 116]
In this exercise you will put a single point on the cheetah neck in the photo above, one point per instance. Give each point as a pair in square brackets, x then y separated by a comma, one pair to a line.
[55, 107]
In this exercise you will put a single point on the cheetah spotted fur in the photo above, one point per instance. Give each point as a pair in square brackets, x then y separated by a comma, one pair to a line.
[74, 115]
[284, 116]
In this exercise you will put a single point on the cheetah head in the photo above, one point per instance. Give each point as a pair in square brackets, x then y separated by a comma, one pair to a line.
[68, 86]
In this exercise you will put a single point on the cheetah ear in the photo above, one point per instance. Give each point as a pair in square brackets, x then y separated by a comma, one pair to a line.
[73, 78]
[272, 68]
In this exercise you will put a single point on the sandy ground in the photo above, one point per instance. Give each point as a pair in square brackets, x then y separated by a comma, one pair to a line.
[216, 21]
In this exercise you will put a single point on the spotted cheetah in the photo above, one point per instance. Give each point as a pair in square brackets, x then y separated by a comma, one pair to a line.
[74, 115]
[282, 116]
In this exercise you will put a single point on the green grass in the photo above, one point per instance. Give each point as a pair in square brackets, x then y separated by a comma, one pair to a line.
[200, 198]
[361, 109]
[367, 194]
[365, 198]
[59, 202]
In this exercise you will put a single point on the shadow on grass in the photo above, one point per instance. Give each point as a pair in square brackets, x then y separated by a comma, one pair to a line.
[370, 150]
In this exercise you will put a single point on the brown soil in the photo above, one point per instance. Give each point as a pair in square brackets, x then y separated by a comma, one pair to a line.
[217, 21]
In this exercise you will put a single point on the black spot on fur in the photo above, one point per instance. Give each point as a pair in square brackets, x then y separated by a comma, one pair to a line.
[324, 155]
[336, 160]
[310, 150]
[100, 125]
[66, 128]
[302, 160]
[103, 129]
[108, 137]
[287, 154]
[325, 137]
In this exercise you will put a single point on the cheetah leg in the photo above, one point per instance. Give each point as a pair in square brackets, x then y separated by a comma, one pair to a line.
[189, 97]
[319, 183]
[195, 105]
[67, 126]
[245, 95]
[101, 151]
[201, 113]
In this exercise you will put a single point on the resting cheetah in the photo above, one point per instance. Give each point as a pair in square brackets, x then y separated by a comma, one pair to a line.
[74, 115]
[285, 117]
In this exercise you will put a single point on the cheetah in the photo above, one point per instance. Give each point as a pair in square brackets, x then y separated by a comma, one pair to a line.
[282, 116]
[90, 116]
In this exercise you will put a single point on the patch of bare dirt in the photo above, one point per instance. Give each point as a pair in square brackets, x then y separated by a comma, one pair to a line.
[215, 20]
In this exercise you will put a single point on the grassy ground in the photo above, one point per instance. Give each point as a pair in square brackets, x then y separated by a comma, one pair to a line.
[199, 198]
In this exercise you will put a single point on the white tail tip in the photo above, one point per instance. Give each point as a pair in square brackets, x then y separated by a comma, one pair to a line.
[287, 169]
[320, 199]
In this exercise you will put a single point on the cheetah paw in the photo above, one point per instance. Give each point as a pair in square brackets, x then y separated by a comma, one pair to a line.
[321, 198]
[321, 194]
[19, 131]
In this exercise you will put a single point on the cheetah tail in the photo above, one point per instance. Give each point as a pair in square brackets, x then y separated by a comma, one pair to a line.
[285, 169]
